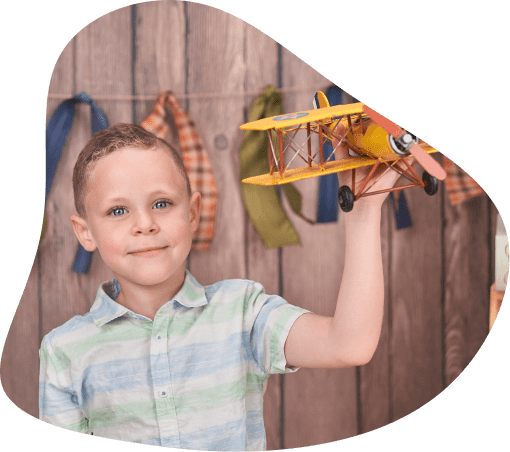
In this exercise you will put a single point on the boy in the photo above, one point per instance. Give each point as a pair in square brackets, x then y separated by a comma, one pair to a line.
[161, 360]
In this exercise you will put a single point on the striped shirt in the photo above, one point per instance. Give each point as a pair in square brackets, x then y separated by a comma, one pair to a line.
[192, 378]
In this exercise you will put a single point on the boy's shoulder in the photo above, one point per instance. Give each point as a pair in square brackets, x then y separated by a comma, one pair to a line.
[82, 326]
[68, 331]
[233, 287]
[194, 294]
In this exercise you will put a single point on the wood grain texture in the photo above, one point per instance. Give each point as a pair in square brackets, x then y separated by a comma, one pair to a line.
[216, 65]
[160, 49]
[416, 292]
[493, 222]
[467, 285]
[374, 384]
[261, 59]
[20, 357]
[320, 405]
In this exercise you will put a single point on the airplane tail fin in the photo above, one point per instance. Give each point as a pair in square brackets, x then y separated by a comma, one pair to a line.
[320, 100]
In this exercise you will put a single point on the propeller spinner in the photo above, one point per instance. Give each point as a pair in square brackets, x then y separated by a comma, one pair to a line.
[405, 138]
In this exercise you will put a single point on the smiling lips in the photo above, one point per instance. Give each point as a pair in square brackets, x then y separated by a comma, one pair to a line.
[148, 252]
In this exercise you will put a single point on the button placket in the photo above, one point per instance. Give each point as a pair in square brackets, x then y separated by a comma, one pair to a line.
[165, 408]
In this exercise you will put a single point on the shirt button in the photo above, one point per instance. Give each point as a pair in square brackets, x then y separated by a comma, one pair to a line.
[159, 338]
[163, 393]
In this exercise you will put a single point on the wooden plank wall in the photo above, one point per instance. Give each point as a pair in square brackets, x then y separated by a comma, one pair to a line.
[437, 273]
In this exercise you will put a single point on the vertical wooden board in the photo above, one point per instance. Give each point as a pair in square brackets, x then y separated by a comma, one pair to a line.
[416, 308]
[374, 385]
[62, 79]
[160, 64]
[103, 67]
[320, 405]
[216, 65]
[261, 57]
[467, 283]
[20, 357]
[493, 219]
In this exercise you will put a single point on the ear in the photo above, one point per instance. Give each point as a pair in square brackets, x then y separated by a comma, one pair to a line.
[82, 231]
[194, 214]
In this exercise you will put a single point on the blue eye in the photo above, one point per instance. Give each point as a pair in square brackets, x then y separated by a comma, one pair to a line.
[161, 204]
[118, 211]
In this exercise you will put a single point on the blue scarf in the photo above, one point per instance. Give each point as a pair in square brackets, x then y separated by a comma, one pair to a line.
[57, 131]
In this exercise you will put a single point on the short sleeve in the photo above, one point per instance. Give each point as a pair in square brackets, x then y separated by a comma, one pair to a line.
[58, 405]
[272, 323]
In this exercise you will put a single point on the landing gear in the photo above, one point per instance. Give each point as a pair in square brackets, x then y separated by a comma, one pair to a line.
[431, 183]
[345, 198]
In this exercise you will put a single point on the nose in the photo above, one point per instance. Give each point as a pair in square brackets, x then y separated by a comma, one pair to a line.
[144, 223]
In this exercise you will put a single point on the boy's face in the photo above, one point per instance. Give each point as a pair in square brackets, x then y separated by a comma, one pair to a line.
[139, 216]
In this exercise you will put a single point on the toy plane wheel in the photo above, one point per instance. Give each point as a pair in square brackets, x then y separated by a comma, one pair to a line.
[431, 184]
[345, 198]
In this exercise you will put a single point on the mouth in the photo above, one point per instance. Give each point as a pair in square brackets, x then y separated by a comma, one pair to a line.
[149, 252]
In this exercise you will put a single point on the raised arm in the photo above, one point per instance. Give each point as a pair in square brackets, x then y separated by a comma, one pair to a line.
[351, 336]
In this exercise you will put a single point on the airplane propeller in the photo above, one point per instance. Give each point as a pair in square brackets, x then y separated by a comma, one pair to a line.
[423, 158]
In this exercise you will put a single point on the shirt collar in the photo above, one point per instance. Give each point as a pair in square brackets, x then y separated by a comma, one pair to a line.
[105, 308]
[192, 293]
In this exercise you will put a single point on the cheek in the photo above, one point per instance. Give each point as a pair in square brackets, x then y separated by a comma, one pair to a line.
[178, 225]
[109, 242]
[113, 247]
[181, 232]
[181, 236]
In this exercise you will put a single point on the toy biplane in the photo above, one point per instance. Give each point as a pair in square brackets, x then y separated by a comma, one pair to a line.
[372, 139]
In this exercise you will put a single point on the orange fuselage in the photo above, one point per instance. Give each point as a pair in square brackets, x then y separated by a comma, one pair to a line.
[372, 140]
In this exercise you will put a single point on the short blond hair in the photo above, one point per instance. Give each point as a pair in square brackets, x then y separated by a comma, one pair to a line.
[105, 142]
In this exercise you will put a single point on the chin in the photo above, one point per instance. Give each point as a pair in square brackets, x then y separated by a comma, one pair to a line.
[152, 278]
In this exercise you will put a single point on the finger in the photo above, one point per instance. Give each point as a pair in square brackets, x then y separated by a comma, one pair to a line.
[383, 178]
[342, 150]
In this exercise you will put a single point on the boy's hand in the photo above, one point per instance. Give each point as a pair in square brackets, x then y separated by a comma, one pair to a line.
[388, 177]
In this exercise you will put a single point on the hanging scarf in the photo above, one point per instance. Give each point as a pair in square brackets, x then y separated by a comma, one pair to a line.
[195, 158]
[263, 203]
[460, 185]
[57, 130]
[327, 204]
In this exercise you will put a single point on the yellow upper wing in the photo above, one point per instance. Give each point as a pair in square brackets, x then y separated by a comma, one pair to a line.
[302, 117]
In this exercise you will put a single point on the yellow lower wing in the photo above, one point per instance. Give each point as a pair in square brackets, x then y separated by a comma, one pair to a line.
[295, 174]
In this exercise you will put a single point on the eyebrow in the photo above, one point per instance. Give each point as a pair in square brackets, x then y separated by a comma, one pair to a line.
[110, 200]
[163, 193]
[154, 193]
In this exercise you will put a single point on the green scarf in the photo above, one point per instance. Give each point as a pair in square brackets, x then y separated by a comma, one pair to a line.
[263, 203]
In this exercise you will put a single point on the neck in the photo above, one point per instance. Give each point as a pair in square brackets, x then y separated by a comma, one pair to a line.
[147, 300]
